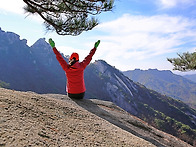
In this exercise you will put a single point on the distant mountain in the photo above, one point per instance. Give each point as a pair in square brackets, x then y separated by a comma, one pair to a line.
[191, 77]
[51, 76]
[166, 83]
[27, 68]
[36, 69]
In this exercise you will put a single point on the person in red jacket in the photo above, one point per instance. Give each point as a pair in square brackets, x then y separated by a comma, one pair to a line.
[74, 71]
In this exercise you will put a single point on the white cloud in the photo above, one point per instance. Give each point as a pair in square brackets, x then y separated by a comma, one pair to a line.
[14, 6]
[174, 3]
[154, 24]
[140, 38]
[168, 3]
[17, 7]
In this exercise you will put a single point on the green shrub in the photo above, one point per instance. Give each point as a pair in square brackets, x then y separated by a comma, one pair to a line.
[159, 123]
[4, 85]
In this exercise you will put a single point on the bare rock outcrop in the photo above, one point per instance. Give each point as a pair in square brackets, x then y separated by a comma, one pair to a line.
[31, 119]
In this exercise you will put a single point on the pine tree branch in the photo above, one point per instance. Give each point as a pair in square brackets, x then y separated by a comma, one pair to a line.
[68, 17]
[185, 62]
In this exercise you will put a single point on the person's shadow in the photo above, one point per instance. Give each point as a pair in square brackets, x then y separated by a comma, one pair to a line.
[96, 107]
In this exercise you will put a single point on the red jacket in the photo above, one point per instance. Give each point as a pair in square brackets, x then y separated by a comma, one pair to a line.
[75, 73]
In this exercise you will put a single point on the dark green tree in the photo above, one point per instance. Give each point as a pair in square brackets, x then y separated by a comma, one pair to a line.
[68, 17]
[185, 61]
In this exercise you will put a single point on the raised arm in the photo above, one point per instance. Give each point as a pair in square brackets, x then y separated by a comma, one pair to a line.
[59, 57]
[88, 58]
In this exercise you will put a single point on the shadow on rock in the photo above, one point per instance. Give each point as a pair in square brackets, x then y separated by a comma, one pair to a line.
[117, 116]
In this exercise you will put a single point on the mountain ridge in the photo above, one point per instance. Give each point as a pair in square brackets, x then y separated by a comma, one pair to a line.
[166, 83]
[191, 77]
[36, 69]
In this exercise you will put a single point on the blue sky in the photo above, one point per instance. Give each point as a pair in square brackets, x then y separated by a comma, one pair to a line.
[136, 34]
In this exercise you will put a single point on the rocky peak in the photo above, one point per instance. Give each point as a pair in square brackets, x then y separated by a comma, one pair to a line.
[41, 47]
[11, 38]
[41, 42]
[101, 65]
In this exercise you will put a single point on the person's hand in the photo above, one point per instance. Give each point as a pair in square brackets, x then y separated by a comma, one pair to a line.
[96, 44]
[52, 43]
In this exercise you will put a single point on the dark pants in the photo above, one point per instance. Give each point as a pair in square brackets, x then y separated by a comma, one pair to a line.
[76, 96]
